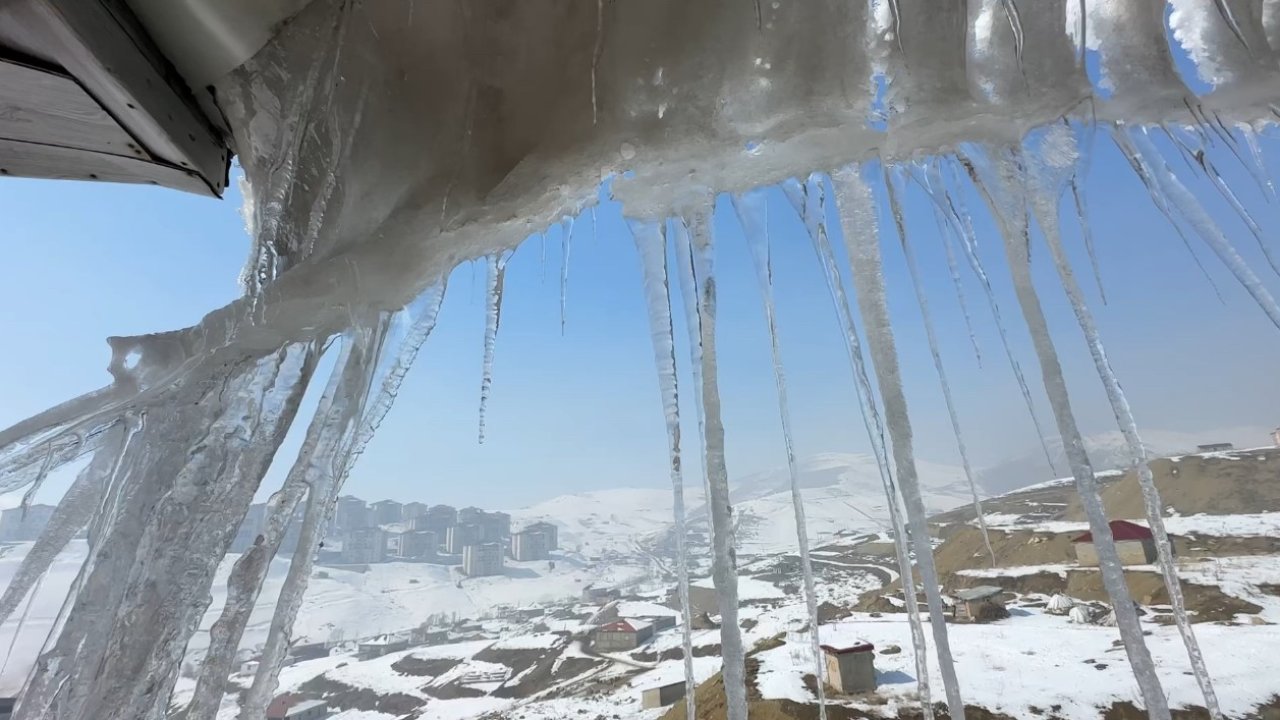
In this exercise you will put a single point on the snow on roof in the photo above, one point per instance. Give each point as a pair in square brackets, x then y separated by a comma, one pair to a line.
[861, 646]
[978, 593]
[1121, 530]
[749, 588]
[304, 706]
[1079, 614]
[635, 608]
[672, 671]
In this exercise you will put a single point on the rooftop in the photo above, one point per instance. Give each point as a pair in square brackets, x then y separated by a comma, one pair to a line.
[978, 593]
[858, 647]
[1121, 530]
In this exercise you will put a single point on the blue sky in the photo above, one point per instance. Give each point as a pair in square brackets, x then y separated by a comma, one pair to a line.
[581, 411]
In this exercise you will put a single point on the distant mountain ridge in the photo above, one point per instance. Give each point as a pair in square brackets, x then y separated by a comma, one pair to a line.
[1107, 451]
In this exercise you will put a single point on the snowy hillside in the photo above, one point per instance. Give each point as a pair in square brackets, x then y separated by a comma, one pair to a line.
[605, 523]
[338, 604]
[1107, 451]
[843, 494]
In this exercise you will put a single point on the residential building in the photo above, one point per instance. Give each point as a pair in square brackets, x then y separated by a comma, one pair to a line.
[14, 527]
[470, 516]
[495, 527]
[413, 510]
[622, 635]
[458, 537]
[529, 545]
[980, 604]
[416, 545]
[1134, 545]
[308, 651]
[385, 512]
[1275, 437]
[548, 529]
[363, 546]
[850, 669]
[482, 559]
[351, 513]
[438, 519]
[1215, 447]
[381, 645]
[662, 695]
[293, 531]
[291, 706]
[600, 595]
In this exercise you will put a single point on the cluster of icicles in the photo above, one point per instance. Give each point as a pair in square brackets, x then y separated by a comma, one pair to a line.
[1019, 183]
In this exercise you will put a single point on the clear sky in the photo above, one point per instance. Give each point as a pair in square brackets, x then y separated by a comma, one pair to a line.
[581, 411]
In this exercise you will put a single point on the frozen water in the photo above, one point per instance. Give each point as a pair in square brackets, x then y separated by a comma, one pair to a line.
[753, 212]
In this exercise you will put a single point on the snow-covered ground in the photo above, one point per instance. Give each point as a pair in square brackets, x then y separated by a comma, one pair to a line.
[338, 603]
[1245, 525]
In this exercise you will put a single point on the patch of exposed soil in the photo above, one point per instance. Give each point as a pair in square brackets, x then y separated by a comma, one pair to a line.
[428, 667]
[341, 696]
[1213, 485]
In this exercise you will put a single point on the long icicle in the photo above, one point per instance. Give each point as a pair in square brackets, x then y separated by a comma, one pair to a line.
[946, 232]
[566, 235]
[325, 462]
[814, 223]
[693, 327]
[1011, 215]
[969, 243]
[923, 301]
[497, 269]
[1046, 187]
[1161, 202]
[724, 560]
[651, 246]
[1086, 230]
[70, 516]
[753, 211]
[862, 238]
[1168, 185]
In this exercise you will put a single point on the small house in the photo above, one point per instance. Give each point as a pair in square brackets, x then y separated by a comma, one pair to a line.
[308, 651]
[1215, 447]
[851, 669]
[623, 635]
[979, 604]
[379, 646]
[291, 706]
[662, 695]
[600, 595]
[1134, 544]
[249, 667]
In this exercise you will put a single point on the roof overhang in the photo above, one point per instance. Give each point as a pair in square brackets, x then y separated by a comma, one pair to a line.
[85, 93]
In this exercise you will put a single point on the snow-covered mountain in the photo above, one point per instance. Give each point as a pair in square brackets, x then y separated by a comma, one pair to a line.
[1107, 451]
[842, 494]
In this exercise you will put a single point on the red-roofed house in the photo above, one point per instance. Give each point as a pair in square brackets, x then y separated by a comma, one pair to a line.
[623, 635]
[292, 706]
[1134, 544]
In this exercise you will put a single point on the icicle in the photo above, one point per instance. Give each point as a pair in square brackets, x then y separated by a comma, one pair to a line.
[1165, 184]
[70, 516]
[753, 212]
[243, 587]
[651, 246]
[1015, 26]
[1003, 193]
[147, 531]
[43, 473]
[724, 560]
[1258, 166]
[693, 327]
[1234, 201]
[862, 238]
[1082, 216]
[566, 235]
[923, 301]
[1057, 157]
[947, 230]
[969, 243]
[22, 623]
[813, 219]
[1161, 202]
[493, 316]
[334, 441]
